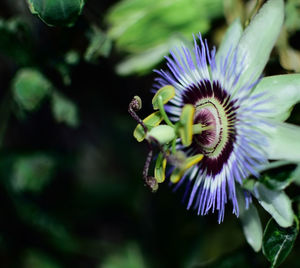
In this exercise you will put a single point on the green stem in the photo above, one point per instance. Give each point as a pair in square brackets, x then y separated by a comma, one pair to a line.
[163, 112]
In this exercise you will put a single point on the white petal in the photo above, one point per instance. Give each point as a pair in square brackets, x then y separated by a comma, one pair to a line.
[251, 223]
[282, 92]
[284, 142]
[230, 40]
[259, 38]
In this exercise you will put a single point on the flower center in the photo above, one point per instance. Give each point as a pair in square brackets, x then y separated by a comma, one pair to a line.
[211, 113]
[207, 115]
[217, 113]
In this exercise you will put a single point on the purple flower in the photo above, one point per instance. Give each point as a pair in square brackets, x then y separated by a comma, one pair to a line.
[234, 141]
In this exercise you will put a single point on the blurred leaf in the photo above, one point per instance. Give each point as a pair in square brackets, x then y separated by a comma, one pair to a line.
[145, 28]
[277, 203]
[37, 259]
[100, 45]
[129, 257]
[292, 15]
[278, 241]
[141, 24]
[72, 57]
[30, 87]
[57, 12]
[15, 40]
[32, 172]
[143, 62]
[64, 110]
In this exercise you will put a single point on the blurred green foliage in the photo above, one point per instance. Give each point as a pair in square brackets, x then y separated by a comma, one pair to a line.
[30, 87]
[147, 29]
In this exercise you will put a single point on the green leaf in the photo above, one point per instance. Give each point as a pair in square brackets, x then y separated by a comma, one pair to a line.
[259, 38]
[278, 242]
[57, 12]
[29, 88]
[283, 143]
[283, 91]
[277, 203]
[64, 110]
